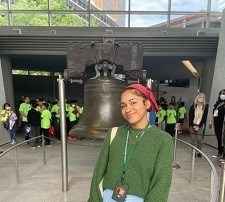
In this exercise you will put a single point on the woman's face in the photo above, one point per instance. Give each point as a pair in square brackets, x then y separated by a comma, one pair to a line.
[7, 106]
[173, 99]
[134, 108]
[201, 98]
[222, 92]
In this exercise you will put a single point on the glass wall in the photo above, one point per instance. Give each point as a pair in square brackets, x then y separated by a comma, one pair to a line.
[112, 13]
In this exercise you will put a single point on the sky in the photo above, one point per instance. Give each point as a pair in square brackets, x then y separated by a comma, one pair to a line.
[162, 5]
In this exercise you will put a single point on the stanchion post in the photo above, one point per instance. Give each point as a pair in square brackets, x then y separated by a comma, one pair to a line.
[63, 134]
[175, 165]
[211, 184]
[222, 183]
[43, 146]
[193, 165]
[16, 166]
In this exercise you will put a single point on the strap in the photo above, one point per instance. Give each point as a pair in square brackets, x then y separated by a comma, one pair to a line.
[113, 134]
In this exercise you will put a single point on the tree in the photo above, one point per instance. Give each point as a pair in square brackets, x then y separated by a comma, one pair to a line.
[40, 17]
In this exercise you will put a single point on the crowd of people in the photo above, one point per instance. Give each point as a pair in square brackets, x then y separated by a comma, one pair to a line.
[175, 112]
[170, 114]
[35, 117]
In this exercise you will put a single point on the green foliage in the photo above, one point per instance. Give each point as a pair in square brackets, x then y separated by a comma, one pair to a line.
[40, 18]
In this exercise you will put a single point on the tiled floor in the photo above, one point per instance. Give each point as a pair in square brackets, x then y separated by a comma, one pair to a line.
[40, 182]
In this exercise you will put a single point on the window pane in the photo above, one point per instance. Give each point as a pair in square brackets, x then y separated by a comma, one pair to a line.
[63, 5]
[112, 5]
[147, 5]
[188, 21]
[3, 19]
[147, 20]
[189, 5]
[25, 19]
[75, 4]
[29, 5]
[3, 5]
[107, 20]
[215, 21]
[217, 5]
[69, 20]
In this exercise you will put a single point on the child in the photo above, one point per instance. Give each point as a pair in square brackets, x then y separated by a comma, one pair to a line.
[181, 115]
[8, 117]
[45, 122]
[171, 120]
[161, 115]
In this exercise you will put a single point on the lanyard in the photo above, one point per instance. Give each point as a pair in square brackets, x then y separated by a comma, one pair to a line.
[127, 156]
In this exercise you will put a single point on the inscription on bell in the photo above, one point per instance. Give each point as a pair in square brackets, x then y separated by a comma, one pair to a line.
[101, 108]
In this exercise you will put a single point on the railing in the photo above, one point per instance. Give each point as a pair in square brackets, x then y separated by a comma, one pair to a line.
[16, 154]
[214, 185]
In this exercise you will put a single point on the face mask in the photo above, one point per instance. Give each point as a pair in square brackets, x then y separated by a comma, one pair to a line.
[222, 97]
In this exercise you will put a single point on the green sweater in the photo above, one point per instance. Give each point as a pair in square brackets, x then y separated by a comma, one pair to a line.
[149, 172]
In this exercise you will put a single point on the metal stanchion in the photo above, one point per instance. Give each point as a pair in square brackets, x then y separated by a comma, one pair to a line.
[222, 180]
[43, 146]
[211, 184]
[193, 165]
[175, 165]
[16, 165]
[63, 133]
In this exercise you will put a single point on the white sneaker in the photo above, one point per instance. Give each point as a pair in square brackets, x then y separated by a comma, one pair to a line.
[13, 142]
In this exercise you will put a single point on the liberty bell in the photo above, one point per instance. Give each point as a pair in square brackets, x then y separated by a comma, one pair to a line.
[108, 67]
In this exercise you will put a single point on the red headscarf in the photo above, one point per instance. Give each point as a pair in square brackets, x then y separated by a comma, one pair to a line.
[147, 92]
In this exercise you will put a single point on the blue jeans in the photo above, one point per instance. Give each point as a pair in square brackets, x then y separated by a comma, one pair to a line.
[107, 197]
[12, 133]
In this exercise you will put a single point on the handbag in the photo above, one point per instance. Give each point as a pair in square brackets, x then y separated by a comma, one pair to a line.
[51, 131]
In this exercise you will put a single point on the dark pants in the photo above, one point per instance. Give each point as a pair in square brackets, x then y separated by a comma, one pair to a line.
[170, 129]
[25, 134]
[45, 133]
[72, 124]
[219, 130]
[13, 133]
[56, 125]
[34, 132]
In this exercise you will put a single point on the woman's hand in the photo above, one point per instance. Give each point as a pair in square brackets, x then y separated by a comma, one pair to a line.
[196, 128]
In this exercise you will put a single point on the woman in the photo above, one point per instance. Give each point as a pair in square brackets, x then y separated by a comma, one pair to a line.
[8, 117]
[197, 119]
[137, 164]
[218, 120]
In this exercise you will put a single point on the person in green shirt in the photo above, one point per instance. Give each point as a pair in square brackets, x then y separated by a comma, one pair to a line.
[56, 118]
[181, 115]
[161, 115]
[23, 110]
[72, 113]
[46, 117]
[171, 120]
[136, 163]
